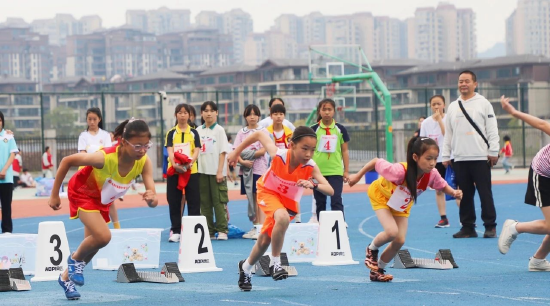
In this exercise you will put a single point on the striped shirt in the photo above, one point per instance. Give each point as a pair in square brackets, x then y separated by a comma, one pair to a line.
[541, 162]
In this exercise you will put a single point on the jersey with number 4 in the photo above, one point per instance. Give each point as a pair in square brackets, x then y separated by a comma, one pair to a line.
[103, 186]
[278, 181]
[328, 153]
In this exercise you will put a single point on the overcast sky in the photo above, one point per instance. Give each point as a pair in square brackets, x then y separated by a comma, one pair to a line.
[490, 14]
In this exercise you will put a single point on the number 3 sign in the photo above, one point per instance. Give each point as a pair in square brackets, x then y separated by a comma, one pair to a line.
[52, 250]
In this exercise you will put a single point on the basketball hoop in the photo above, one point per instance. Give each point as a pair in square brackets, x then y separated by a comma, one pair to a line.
[330, 90]
[340, 114]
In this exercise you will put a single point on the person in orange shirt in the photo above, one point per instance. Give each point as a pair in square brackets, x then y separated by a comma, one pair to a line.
[106, 176]
[279, 192]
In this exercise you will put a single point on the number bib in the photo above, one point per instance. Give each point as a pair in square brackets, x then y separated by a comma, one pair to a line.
[113, 190]
[183, 148]
[207, 145]
[287, 189]
[327, 144]
[401, 198]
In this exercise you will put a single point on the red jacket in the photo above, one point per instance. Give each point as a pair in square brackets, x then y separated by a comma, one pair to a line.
[44, 167]
[507, 149]
[183, 177]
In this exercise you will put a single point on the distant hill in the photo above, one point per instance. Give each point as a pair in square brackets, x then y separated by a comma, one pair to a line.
[499, 49]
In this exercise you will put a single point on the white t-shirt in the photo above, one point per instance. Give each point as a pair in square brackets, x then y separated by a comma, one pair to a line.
[91, 143]
[213, 143]
[26, 178]
[430, 128]
[267, 121]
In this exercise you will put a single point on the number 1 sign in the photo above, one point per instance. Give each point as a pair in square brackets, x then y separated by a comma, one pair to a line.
[196, 253]
[52, 250]
[333, 243]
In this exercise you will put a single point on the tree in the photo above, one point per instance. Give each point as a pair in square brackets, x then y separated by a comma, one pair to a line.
[62, 119]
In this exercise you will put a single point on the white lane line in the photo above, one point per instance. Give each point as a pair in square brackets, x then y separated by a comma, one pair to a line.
[434, 292]
[291, 303]
[245, 302]
[497, 296]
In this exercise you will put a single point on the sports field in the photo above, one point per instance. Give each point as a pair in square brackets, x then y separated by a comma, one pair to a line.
[484, 276]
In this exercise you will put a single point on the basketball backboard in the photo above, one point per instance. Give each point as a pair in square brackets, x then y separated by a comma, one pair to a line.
[328, 61]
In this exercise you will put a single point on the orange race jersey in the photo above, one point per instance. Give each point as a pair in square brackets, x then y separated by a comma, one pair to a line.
[103, 186]
[279, 182]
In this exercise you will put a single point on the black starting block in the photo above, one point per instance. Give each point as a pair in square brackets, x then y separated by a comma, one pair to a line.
[13, 280]
[262, 266]
[443, 260]
[127, 273]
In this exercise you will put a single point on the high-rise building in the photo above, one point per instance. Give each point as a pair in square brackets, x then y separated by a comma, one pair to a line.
[269, 45]
[25, 54]
[123, 51]
[238, 24]
[161, 21]
[390, 38]
[528, 28]
[443, 33]
[63, 25]
[209, 20]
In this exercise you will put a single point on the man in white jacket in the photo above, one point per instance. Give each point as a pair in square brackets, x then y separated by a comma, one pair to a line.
[473, 158]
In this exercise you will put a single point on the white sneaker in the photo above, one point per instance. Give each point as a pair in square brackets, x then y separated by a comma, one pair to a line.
[506, 237]
[222, 236]
[313, 219]
[538, 265]
[250, 233]
[174, 238]
[298, 218]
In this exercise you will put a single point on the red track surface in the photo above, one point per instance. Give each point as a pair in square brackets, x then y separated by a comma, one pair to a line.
[39, 207]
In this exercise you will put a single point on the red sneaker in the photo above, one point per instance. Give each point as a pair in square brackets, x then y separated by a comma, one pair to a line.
[371, 259]
[380, 276]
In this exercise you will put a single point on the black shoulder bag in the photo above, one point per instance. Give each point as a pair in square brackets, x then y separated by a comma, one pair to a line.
[474, 124]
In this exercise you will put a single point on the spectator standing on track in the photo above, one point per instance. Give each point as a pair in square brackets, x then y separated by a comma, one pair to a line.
[267, 121]
[331, 155]
[212, 179]
[253, 164]
[471, 134]
[8, 149]
[434, 127]
[184, 139]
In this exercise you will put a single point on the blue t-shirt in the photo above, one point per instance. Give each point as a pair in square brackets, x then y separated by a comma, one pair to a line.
[7, 146]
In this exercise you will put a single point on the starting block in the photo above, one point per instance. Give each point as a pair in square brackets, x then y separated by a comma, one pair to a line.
[443, 261]
[261, 268]
[127, 273]
[13, 280]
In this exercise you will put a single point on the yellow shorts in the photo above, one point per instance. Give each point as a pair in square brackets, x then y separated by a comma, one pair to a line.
[379, 201]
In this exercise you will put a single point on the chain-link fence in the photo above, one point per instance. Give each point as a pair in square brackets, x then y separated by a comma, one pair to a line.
[56, 119]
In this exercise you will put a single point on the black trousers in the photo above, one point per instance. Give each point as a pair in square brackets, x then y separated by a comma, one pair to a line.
[174, 196]
[6, 195]
[471, 175]
[337, 183]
